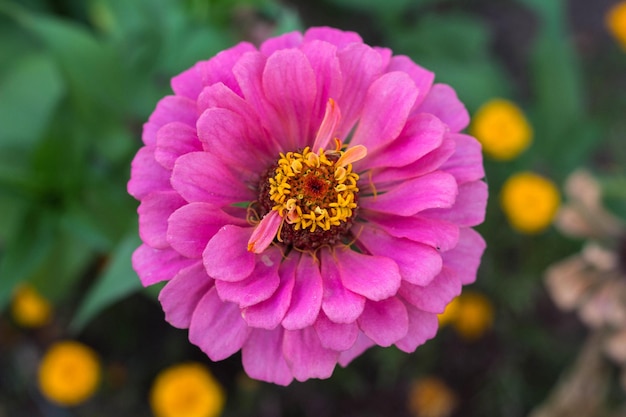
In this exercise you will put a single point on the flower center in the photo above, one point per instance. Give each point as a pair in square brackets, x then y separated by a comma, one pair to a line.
[309, 198]
[312, 191]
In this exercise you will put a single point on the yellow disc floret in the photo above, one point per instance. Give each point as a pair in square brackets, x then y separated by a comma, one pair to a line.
[314, 190]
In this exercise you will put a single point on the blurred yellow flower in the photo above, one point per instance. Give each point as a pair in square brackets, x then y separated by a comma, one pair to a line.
[471, 315]
[431, 397]
[530, 202]
[475, 315]
[29, 308]
[502, 129]
[69, 373]
[450, 314]
[186, 390]
[616, 22]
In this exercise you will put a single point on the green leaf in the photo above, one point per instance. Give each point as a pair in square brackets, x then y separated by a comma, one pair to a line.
[25, 251]
[116, 282]
[64, 265]
[31, 90]
[91, 67]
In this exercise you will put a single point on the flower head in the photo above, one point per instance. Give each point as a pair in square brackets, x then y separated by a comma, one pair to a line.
[29, 308]
[616, 22]
[186, 390]
[431, 397]
[69, 373]
[502, 129]
[307, 200]
[530, 202]
[471, 314]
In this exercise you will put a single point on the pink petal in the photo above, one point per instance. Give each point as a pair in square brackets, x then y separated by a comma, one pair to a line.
[146, 175]
[387, 105]
[469, 208]
[249, 74]
[443, 102]
[360, 66]
[226, 256]
[466, 164]
[307, 295]
[422, 78]
[323, 59]
[269, 313]
[430, 162]
[201, 176]
[336, 336]
[284, 41]
[328, 127]
[435, 190]
[418, 263]
[439, 234]
[265, 232]
[258, 286]
[289, 85]
[434, 297]
[337, 37]
[217, 327]
[373, 277]
[422, 327]
[173, 140]
[361, 345]
[182, 294]
[192, 226]
[306, 356]
[153, 212]
[464, 259]
[236, 143]
[385, 322]
[422, 134]
[220, 67]
[262, 357]
[340, 304]
[169, 109]
[156, 265]
[188, 83]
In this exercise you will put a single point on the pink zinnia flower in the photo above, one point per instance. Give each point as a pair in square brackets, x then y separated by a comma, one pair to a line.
[307, 200]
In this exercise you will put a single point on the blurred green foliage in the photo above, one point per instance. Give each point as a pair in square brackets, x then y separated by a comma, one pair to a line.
[78, 79]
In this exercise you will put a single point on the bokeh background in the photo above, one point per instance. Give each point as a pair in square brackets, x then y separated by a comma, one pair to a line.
[78, 78]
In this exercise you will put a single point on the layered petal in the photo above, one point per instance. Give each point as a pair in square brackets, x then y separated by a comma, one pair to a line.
[373, 277]
[443, 102]
[226, 256]
[418, 263]
[190, 228]
[306, 296]
[154, 211]
[435, 190]
[173, 140]
[156, 265]
[306, 356]
[201, 176]
[147, 175]
[339, 304]
[385, 322]
[434, 297]
[422, 327]
[217, 327]
[262, 357]
[180, 297]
